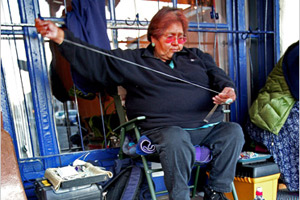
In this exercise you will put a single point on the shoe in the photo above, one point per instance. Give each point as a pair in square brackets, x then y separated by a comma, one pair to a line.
[210, 194]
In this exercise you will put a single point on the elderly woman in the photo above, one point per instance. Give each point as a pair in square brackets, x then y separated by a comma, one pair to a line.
[174, 109]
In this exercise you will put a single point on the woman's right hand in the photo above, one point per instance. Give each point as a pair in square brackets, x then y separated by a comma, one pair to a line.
[50, 30]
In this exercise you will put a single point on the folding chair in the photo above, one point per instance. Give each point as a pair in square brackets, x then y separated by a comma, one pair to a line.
[127, 126]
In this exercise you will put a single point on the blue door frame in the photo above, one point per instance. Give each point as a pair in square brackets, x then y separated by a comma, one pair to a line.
[41, 93]
[42, 98]
[268, 38]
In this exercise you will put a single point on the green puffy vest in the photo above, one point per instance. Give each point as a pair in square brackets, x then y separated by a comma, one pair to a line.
[272, 106]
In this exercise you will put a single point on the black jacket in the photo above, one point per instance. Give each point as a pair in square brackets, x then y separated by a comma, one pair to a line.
[163, 100]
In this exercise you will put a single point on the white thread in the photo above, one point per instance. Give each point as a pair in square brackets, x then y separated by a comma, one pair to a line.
[138, 65]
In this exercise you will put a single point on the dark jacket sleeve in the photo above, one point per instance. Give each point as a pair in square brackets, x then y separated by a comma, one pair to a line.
[290, 67]
[90, 62]
[219, 79]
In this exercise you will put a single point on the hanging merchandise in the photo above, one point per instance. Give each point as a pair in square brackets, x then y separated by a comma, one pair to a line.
[87, 21]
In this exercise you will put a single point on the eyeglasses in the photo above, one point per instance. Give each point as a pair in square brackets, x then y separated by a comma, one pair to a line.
[172, 38]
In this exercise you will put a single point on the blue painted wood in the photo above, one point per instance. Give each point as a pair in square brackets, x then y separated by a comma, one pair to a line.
[276, 19]
[241, 76]
[12, 32]
[208, 25]
[40, 85]
[231, 52]
[261, 48]
[270, 49]
[174, 3]
[264, 47]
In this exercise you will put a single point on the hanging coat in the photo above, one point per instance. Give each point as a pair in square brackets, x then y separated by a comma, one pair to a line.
[87, 21]
[271, 108]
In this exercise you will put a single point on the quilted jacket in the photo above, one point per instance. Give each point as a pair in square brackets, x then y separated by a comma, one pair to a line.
[274, 102]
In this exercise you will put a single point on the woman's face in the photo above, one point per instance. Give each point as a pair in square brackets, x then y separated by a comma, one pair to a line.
[170, 42]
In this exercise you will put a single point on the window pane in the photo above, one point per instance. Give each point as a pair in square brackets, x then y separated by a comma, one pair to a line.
[17, 82]
[213, 43]
[139, 7]
[207, 11]
[66, 129]
[9, 12]
[10, 15]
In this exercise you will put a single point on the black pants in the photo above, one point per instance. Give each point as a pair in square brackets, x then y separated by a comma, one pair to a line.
[175, 147]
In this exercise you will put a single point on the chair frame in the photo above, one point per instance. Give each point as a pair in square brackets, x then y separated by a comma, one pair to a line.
[126, 126]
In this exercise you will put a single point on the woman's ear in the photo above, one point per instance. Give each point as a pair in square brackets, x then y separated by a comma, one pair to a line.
[153, 41]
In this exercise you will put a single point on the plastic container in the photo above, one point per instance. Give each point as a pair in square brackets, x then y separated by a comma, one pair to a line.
[251, 176]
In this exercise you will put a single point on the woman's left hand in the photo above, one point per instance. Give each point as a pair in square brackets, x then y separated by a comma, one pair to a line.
[225, 96]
